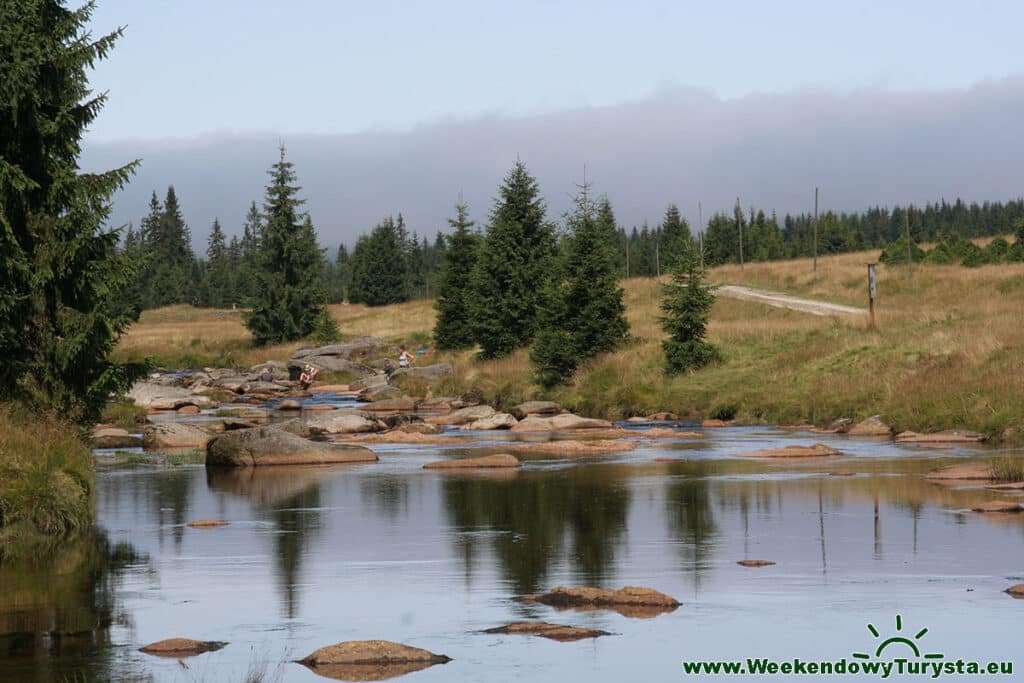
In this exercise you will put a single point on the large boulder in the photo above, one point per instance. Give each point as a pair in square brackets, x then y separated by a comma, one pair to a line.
[391, 406]
[342, 422]
[496, 421]
[427, 372]
[274, 446]
[160, 397]
[261, 387]
[541, 408]
[338, 357]
[462, 416]
[379, 392]
[174, 435]
[558, 423]
[873, 426]
[114, 437]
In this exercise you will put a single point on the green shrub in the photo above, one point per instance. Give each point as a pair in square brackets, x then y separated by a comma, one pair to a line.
[724, 411]
[896, 253]
[325, 329]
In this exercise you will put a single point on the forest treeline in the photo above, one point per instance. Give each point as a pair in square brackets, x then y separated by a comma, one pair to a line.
[391, 263]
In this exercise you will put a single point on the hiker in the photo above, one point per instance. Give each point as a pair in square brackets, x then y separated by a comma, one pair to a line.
[308, 376]
[405, 358]
[389, 369]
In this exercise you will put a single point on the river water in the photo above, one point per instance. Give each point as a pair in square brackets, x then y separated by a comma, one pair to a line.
[314, 556]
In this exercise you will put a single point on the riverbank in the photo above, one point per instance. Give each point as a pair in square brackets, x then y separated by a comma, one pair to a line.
[947, 352]
[46, 482]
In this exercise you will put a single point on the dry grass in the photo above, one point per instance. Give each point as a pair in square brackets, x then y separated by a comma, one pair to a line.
[948, 351]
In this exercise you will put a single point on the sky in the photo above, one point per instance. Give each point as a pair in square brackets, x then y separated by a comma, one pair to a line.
[193, 74]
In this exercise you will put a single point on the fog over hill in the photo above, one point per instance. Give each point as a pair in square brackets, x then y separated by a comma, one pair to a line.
[865, 148]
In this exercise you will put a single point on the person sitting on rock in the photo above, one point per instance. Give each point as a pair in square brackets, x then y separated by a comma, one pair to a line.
[389, 369]
[308, 376]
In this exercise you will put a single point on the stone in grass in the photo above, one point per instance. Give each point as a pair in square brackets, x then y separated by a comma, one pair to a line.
[755, 563]
[207, 524]
[370, 660]
[559, 632]
[177, 648]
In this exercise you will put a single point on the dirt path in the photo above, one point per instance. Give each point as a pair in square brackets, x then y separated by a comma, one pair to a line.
[786, 301]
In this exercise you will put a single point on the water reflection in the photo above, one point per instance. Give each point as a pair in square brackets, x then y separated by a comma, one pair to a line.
[540, 517]
[691, 519]
[57, 611]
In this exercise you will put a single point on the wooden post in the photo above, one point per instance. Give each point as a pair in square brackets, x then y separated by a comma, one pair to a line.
[872, 291]
[627, 255]
[700, 233]
[739, 229]
[910, 253]
[815, 231]
[657, 258]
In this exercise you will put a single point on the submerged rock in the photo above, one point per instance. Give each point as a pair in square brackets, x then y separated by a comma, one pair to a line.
[998, 506]
[500, 460]
[557, 632]
[275, 446]
[947, 436]
[181, 647]
[966, 472]
[628, 601]
[207, 524]
[174, 435]
[872, 426]
[666, 433]
[755, 563]
[572, 448]
[818, 450]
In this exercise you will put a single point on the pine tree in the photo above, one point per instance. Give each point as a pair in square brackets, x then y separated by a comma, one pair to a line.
[218, 269]
[687, 304]
[515, 256]
[613, 236]
[290, 294]
[454, 326]
[584, 315]
[61, 276]
[247, 284]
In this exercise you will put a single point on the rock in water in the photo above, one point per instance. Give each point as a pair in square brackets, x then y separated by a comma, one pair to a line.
[818, 450]
[631, 601]
[174, 435]
[274, 446]
[181, 647]
[557, 632]
[948, 436]
[289, 404]
[755, 563]
[873, 426]
[496, 421]
[370, 660]
[535, 408]
[1016, 591]
[339, 422]
[114, 437]
[207, 524]
[965, 471]
[998, 506]
[488, 461]
[462, 416]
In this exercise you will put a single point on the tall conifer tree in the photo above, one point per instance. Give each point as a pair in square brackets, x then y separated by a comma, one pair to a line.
[218, 268]
[290, 294]
[61, 273]
[514, 259]
[454, 326]
[686, 306]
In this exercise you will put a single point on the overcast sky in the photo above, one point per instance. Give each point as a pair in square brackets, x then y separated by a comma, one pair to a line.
[395, 106]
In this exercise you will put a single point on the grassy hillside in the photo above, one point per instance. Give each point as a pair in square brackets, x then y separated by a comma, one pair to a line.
[948, 351]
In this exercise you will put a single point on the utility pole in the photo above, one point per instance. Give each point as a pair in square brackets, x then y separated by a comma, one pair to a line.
[700, 233]
[739, 227]
[657, 257]
[627, 253]
[910, 254]
[815, 231]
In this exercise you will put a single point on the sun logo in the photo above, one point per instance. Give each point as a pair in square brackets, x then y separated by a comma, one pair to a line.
[898, 640]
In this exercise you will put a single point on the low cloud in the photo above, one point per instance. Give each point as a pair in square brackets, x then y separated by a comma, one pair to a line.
[865, 148]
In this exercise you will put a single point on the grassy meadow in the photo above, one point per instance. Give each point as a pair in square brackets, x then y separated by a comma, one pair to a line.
[948, 350]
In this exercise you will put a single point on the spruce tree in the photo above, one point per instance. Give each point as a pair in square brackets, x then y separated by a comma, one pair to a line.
[379, 266]
[613, 236]
[61, 274]
[246, 283]
[583, 315]
[218, 269]
[514, 258]
[686, 306]
[290, 292]
[675, 240]
[454, 326]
